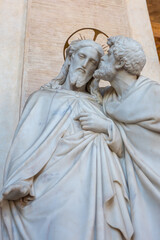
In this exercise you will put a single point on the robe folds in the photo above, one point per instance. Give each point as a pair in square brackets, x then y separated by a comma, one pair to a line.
[78, 189]
[137, 115]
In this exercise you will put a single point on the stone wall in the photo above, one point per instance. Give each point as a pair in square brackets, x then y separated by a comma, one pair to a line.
[50, 23]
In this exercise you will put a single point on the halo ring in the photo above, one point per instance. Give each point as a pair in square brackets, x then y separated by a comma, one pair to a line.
[96, 33]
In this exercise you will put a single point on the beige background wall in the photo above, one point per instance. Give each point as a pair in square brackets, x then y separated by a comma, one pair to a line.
[141, 30]
[33, 33]
[51, 22]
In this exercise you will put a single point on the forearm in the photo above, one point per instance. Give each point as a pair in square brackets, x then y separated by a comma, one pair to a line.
[114, 140]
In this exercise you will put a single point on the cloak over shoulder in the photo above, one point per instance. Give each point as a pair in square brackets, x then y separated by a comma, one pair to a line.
[137, 115]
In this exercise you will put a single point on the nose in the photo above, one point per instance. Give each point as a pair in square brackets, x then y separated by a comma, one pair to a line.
[85, 62]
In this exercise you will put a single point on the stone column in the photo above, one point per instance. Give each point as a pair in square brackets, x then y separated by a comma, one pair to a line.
[141, 30]
[12, 32]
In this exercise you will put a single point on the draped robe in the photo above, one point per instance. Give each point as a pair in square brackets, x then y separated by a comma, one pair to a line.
[137, 116]
[78, 189]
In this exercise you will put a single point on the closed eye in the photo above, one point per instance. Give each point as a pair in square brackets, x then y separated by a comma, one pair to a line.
[81, 55]
[93, 61]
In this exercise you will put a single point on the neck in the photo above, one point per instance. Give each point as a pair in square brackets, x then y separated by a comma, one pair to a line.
[123, 82]
[67, 85]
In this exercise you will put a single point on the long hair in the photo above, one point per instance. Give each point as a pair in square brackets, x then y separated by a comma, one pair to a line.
[93, 89]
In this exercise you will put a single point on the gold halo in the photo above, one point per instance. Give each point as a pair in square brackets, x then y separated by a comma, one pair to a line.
[87, 33]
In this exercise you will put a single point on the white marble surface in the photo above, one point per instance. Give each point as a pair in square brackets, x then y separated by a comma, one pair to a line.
[132, 102]
[61, 181]
[12, 29]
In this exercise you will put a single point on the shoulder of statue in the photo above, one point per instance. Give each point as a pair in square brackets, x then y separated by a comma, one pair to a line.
[52, 85]
[41, 95]
[145, 82]
[143, 79]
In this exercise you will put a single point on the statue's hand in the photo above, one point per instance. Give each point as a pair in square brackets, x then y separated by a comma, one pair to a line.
[16, 191]
[93, 122]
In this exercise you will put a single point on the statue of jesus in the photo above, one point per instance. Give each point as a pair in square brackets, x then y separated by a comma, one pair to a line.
[61, 181]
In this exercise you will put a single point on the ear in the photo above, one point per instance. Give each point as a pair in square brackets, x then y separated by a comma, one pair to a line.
[119, 64]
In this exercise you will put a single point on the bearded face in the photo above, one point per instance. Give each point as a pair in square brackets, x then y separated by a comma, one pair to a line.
[78, 79]
[106, 70]
[83, 64]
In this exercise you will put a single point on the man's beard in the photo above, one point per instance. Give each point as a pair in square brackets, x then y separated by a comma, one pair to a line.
[105, 73]
[78, 79]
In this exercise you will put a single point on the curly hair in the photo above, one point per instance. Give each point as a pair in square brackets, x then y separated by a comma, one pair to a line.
[130, 52]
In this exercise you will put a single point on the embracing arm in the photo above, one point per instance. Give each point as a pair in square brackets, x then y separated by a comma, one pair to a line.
[114, 140]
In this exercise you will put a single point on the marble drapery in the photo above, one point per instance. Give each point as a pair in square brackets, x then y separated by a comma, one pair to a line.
[78, 189]
[137, 115]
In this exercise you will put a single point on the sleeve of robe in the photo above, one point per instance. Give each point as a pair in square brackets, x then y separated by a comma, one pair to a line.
[36, 137]
[114, 140]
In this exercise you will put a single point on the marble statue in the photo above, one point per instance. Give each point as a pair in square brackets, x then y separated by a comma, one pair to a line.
[133, 103]
[61, 181]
